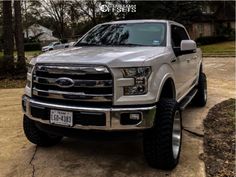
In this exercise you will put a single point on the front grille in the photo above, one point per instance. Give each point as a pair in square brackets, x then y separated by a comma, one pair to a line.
[75, 83]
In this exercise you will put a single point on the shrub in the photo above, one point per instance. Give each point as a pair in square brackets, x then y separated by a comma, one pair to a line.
[7, 66]
[211, 39]
[64, 41]
[32, 46]
[1, 66]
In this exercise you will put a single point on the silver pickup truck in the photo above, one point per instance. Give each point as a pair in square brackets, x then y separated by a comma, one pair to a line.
[120, 76]
[54, 46]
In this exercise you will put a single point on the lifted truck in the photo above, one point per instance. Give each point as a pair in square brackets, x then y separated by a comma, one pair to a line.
[122, 75]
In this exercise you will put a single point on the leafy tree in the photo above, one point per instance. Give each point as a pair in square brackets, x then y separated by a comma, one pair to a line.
[31, 13]
[89, 9]
[58, 11]
[74, 15]
[180, 11]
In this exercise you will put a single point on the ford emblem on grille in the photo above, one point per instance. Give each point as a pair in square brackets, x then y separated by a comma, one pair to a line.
[64, 82]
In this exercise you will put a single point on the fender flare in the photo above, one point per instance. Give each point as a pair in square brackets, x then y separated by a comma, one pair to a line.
[163, 81]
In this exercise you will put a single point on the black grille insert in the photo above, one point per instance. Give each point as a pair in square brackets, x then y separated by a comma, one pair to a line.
[81, 118]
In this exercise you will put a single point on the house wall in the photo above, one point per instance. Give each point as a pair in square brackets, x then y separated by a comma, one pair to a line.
[201, 29]
[197, 30]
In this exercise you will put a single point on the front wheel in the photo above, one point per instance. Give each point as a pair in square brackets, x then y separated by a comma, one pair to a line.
[162, 143]
[38, 137]
[200, 98]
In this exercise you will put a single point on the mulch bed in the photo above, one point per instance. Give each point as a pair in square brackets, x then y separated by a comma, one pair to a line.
[219, 140]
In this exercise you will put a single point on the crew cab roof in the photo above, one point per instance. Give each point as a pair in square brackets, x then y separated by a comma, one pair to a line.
[142, 21]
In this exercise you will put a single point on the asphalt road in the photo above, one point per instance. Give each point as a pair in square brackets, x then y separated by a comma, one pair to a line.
[109, 155]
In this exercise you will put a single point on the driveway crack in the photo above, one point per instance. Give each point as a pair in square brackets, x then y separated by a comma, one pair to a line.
[31, 161]
[194, 133]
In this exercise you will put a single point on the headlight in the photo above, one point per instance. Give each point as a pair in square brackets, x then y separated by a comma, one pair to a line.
[30, 68]
[140, 75]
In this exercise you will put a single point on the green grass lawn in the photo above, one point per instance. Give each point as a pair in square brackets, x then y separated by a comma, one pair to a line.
[28, 54]
[224, 48]
[31, 54]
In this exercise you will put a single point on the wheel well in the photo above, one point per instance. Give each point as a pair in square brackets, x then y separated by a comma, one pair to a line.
[168, 89]
[200, 70]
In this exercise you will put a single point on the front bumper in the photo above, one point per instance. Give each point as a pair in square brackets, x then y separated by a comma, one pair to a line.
[45, 49]
[112, 116]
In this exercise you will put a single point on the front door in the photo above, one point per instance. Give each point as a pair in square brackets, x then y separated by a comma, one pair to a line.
[183, 64]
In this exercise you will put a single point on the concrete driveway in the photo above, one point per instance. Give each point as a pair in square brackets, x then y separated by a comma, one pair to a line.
[110, 155]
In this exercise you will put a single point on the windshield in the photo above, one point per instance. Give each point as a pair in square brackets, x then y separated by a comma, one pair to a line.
[51, 44]
[129, 34]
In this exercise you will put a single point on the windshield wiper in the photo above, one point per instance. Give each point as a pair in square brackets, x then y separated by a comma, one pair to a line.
[107, 45]
[130, 44]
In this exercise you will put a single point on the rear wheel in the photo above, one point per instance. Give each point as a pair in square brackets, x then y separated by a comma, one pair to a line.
[200, 98]
[38, 137]
[162, 143]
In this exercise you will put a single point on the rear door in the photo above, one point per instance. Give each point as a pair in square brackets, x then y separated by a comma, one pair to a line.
[57, 45]
[183, 65]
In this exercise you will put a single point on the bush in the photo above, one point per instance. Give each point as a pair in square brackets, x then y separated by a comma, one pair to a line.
[1, 67]
[63, 41]
[6, 67]
[32, 46]
[211, 39]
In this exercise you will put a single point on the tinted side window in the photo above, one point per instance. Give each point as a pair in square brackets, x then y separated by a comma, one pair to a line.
[177, 35]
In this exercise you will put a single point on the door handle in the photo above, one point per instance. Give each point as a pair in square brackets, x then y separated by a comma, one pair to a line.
[188, 60]
[194, 57]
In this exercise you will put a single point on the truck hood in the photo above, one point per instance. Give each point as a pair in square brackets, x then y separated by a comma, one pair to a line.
[110, 56]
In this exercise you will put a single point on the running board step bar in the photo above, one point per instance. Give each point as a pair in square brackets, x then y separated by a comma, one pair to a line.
[184, 103]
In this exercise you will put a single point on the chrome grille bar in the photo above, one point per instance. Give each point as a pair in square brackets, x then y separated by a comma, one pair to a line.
[71, 95]
[77, 83]
[77, 70]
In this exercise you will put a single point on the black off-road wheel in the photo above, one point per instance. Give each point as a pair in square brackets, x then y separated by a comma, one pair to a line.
[200, 98]
[162, 143]
[38, 137]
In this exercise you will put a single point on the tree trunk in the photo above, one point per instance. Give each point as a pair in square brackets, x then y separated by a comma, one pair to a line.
[94, 13]
[26, 20]
[19, 38]
[8, 41]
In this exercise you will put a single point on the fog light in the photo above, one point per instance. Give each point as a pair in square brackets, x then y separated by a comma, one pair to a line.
[134, 116]
[130, 118]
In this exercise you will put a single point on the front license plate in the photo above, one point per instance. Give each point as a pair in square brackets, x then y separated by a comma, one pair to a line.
[61, 117]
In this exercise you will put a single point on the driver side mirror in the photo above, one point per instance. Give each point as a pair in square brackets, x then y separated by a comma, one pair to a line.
[188, 45]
